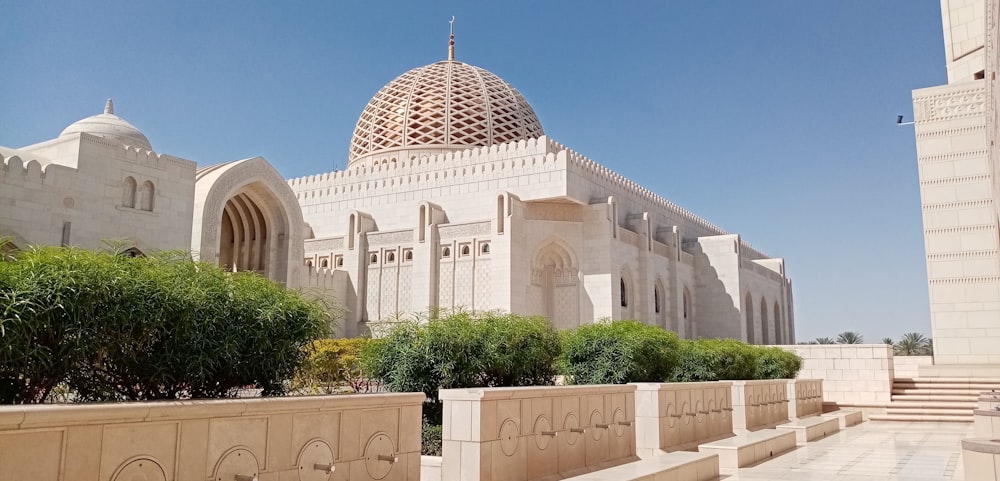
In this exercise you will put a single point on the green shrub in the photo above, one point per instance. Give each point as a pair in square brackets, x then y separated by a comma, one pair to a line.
[722, 359]
[463, 350]
[430, 439]
[776, 363]
[116, 328]
[331, 365]
[618, 352]
[714, 360]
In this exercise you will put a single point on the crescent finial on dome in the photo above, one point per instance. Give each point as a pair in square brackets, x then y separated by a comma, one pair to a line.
[109, 107]
[451, 39]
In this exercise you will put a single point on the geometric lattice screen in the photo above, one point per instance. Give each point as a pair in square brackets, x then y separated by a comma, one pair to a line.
[448, 104]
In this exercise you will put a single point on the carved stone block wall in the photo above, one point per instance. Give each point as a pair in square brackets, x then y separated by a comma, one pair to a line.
[529, 433]
[363, 437]
[679, 416]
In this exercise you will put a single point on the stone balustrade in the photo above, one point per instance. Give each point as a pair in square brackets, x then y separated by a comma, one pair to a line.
[759, 404]
[808, 396]
[529, 433]
[362, 437]
[679, 416]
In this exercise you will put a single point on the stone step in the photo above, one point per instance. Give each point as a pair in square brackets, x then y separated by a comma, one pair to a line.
[920, 418]
[951, 380]
[935, 403]
[892, 409]
[946, 392]
[936, 397]
[977, 388]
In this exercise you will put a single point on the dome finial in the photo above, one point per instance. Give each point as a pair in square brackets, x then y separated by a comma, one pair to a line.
[109, 107]
[451, 39]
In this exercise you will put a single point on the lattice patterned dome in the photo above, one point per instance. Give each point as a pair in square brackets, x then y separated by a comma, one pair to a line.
[443, 106]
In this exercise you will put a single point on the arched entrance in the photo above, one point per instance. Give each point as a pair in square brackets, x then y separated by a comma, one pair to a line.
[250, 220]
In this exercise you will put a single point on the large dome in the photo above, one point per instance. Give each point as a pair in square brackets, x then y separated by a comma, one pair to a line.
[111, 127]
[443, 106]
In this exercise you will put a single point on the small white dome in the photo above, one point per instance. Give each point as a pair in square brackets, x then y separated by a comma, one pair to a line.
[111, 127]
[447, 106]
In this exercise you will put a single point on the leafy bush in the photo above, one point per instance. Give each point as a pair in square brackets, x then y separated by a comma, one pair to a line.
[721, 359]
[618, 352]
[463, 350]
[714, 360]
[331, 365]
[430, 439]
[776, 363]
[116, 328]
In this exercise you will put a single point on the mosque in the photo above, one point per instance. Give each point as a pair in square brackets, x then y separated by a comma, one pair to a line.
[453, 198]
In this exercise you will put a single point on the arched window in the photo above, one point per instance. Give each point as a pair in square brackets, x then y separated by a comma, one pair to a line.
[374, 259]
[465, 250]
[485, 249]
[324, 263]
[128, 192]
[146, 194]
[408, 256]
[656, 300]
[764, 328]
[390, 257]
[446, 252]
[624, 292]
[748, 312]
[309, 262]
[340, 262]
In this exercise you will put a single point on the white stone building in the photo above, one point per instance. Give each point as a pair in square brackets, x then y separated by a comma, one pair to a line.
[453, 198]
[956, 130]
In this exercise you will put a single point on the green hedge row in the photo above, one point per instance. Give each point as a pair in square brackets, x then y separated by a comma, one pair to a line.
[107, 327]
[466, 350]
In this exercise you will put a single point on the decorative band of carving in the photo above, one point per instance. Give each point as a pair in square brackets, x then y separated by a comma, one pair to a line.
[949, 105]
[971, 228]
[950, 132]
[966, 280]
[962, 255]
[956, 180]
[959, 205]
[969, 154]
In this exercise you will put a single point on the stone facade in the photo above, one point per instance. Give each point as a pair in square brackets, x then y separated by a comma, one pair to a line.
[465, 205]
[954, 128]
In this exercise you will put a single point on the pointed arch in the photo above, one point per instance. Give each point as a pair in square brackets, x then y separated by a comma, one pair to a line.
[128, 192]
[779, 330]
[147, 192]
[688, 313]
[248, 202]
[555, 285]
[765, 331]
[748, 315]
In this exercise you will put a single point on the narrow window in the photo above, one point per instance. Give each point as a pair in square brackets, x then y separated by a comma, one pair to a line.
[408, 256]
[656, 300]
[374, 259]
[146, 196]
[325, 263]
[446, 252]
[128, 193]
[486, 249]
[465, 250]
[390, 257]
[624, 293]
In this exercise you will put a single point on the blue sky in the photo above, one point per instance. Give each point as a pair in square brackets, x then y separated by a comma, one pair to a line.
[773, 119]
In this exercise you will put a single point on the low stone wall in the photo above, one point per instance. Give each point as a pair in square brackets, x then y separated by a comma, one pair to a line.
[361, 437]
[759, 404]
[679, 416]
[854, 375]
[808, 396]
[909, 366]
[529, 433]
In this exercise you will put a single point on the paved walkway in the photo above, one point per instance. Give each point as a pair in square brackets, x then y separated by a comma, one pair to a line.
[880, 450]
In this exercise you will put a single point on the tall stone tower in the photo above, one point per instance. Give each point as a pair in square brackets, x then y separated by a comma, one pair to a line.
[958, 160]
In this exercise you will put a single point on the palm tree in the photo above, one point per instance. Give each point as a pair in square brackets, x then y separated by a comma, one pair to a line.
[913, 344]
[824, 340]
[849, 337]
[887, 341]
